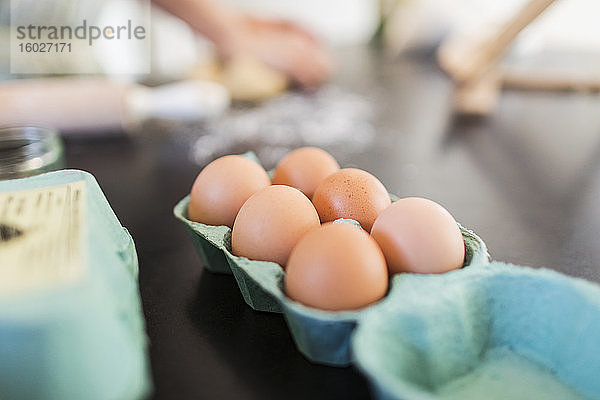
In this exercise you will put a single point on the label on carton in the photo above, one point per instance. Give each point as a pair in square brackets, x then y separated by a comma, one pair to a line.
[42, 237]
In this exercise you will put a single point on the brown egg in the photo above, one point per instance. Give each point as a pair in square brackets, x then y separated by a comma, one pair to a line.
[418, 235]
[222, 187]
[336, 267]
[304, 169]
[271, 222]
[351, 193]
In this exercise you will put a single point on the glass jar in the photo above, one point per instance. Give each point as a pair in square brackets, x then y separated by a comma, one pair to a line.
[29, 150]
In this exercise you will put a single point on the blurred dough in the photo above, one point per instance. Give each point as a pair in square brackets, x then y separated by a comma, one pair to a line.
[246, 78]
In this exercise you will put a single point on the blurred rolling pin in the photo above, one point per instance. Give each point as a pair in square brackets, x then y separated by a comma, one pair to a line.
[88, 105]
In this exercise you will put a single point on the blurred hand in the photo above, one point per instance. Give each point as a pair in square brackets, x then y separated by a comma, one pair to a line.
[281, 45]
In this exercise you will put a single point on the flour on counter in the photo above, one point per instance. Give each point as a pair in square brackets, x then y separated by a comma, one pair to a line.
[331, 118]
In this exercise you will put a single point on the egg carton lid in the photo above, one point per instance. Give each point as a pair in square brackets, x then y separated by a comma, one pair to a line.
[502, 331]
[88, 330]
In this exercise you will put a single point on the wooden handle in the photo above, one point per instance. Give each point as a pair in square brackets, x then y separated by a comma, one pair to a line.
[465, 59]
[545, 80]
[478, 97]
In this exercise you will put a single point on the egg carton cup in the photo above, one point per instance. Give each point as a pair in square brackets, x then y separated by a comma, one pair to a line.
[497, 332]
[322, 336]
[209, 241]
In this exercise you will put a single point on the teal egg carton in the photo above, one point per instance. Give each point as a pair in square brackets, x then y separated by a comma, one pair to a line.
[497, 332]
[81, 338]
[322, 336]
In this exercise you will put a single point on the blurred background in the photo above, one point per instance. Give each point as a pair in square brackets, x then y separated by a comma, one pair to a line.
[489, 108]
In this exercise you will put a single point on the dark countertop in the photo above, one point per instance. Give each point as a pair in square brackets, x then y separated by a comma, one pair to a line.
[527, 180]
